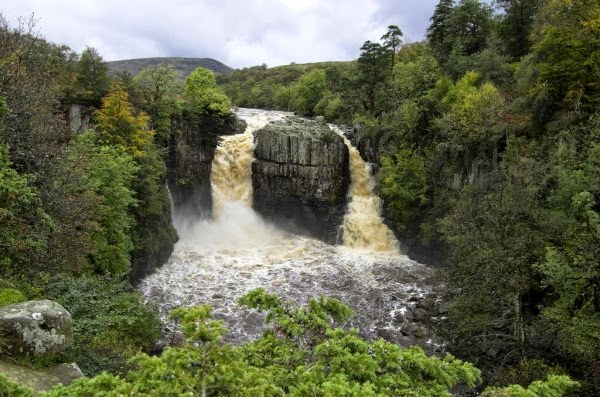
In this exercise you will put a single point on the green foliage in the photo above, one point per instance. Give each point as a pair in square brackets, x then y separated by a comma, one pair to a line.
[105, 174]
[300, 354]
[103, 385]
[8, 388]
[373, 74]
[9, 296]
[160, 87]
[567, 49]
[24, 225]
[117, 124]
[496, 235]
[462, 27]
[439, 31]
[554, 386]
[573, 272]
[516, 25]
[392, 40]
[92, 79]
[471, 124]
[110, 323]
[402, 183]
[202, 94]
[308, 91]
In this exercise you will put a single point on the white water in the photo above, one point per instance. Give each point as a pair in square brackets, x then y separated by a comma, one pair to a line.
[363, 226]
[217, 261]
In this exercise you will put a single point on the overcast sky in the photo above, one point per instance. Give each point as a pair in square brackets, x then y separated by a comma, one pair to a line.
[238, 33]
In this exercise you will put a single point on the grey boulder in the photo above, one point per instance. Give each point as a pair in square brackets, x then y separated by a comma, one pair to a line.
[35, 327]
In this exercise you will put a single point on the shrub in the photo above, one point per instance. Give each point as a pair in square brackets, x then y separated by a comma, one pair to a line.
[110, 322]
[9, 296]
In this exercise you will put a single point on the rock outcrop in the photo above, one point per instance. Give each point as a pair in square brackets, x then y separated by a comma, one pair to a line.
[41, 379]
[35, 327]
[300, 177]
[191, 152]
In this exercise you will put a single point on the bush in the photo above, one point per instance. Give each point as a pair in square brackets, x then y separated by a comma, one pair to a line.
[10, 389]
[299, 354]
[9, 296]
[110, 323]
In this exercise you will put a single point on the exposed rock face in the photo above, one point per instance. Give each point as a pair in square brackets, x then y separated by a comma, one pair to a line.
[36, 327]
[191, 152]
[79, 118]
[300, 177]
[40, 379]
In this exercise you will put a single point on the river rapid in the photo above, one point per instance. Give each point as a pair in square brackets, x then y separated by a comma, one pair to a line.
[217, 261]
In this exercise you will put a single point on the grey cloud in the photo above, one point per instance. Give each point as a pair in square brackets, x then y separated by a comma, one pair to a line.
[238, 33]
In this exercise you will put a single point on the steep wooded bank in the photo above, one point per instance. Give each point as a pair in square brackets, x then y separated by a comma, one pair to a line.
[485, 139]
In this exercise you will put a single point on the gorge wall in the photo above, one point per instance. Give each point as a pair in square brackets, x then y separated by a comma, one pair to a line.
[300, 177]
[194, 140]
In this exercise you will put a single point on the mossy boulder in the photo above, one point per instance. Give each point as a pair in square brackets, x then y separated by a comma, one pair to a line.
[35, 327]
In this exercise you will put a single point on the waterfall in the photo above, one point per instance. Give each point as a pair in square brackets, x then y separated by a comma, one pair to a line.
[234, 224]
[218, 260]
[363, 227]
[231, 176]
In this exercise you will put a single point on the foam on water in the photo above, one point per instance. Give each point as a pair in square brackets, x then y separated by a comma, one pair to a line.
[217, 261]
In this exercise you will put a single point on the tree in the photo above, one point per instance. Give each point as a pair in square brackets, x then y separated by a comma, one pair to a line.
[202, 94]
[24, 225]
[373, 73]
[470, 25]
[496, 238]
[308, 91]
[117, 125]
[33, 77]
[160, 87]
[439, 31]
[108, 173]
[516, 25]
[92, 77]
[471, 124]
[402, 181]
[570, 265]
[567, 50]
[392, 40]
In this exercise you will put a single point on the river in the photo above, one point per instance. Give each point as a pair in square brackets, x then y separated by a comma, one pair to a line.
[217, 261]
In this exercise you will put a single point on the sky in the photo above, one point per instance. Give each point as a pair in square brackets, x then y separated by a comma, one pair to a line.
[238, 33]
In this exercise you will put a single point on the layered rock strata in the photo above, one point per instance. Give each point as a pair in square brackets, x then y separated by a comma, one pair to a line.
[300, 177]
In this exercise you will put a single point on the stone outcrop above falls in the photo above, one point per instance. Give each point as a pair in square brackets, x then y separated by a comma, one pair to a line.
[300, 177]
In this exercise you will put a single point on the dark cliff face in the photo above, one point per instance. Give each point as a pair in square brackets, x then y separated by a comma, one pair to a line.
[300, 177]
[194, 140]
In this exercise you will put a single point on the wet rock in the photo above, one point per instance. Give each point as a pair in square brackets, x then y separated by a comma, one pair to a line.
[36, 327]
[191, 152]
[442, 308]
[420, 314]
[426, 304]
[300, 177]
[410, 330]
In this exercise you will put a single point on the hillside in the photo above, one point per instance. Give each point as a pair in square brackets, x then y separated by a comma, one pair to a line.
[183, 65]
